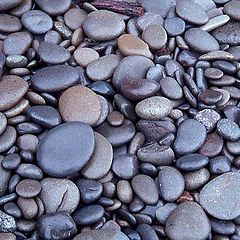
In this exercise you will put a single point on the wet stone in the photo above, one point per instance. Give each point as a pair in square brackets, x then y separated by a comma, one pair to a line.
[37, 21]
[146, 232]
[28, 188]
[5, 176]
[79, 136]
[103, 25]
[210, 97]
[187, 58]
[219, 165]
[222, 227]
[220, 197]
[115, 118]
[228, 129]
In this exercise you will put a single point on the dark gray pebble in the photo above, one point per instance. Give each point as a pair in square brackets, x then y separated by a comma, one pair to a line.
[163, 213]
[219, 165]
[11, 161]
[222, 227]
[146, 232]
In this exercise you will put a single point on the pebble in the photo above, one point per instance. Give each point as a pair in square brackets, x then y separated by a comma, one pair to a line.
[11, 161]
[28, 206]
[154, 108]
[54, 78]
[115, 118]
[45, 116]
[74, 18]
[13, 89]
[101, 160]
[3, 123]
[16, 61]
[228, 129]
[55, 7]
[235, 51]
[231, 9]
[7, 222]
[149, 19]
[219, 165]
[192, 162]
[171, 88]
[102, 68]
[215, 23]
[103, 25]
[37, 22]
[8, 236]
[125, 166]
[187, 58]
[7, 139]
[88, 215]
[21, 8]
[210, 97]
[163, 213]
[5, 176]
[9, 23]
[188, 221]
[17, 43]
[147, 232]
[58, 200]
[233, 147]
[28, 188]
[222, 227]
[84, 56]
[145, 188]
[213, 73]
[124, 191]
[171, 184]
[174, 26]
[80, 103]
[191, 135]
[160, 37]
[103, 88]
[6, 4]
[220, 197]
[201, 41]
[217, 55]
[28, 170]
[138, 89]
[52, 53]
[59, 225]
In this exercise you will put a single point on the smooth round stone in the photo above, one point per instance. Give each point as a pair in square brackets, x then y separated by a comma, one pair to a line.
[80, 103]
[37, 22]
[17, 43]
[191, 135]
[84, 56]
[210, 97]
[58, 200]
[213, 73]
[145, 188]
[11, 161]
[201, 41]
[102, 68]
[228, 33]
[125, 166]
[219, 165]
[4, 178]
[28, 207]
[228, 129]
[192, 162]
[56, 158]
[52, 36]
[101, 160]
[45, 116]
[174, 26]
[149, 19]
[7, 139]
[173, 66]
[103, 25]
[102, 88]
[188, 221]
[231, 9]
[108, 233]
[59, 225]
[234, 147]
[8, 4]
[124, 191]
[132, 45]
[58, 54]
[8, 236]
[28, 188]
[105, 109]
[187, 58]
[235, 51]
[24, 6]
[147, 232]
[212, 146]
[13, 88]
[154, 108]
[222, 227]
[171, 184]
[90, 190]
[88, 214]
[54, 7]
[28, 170]
[163, 213]
[16, 61]
[171, 88]
[115, 118]
[128, 68]
[54, 78]
[233, 91]
[191, 12]
[117, 136]
[138, 89]
[221, 196]
[155, 36]
[3, 123]
[9, 23]
[74, 18]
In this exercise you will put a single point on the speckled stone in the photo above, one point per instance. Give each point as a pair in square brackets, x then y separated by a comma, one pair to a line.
[9, 23]
[7, 139]
[74, 18]
[84, 56]
[149, 19]
[171, 88]
[3, 123]
[7, 223]
[8, 4]
[231, 9]
[228, 129]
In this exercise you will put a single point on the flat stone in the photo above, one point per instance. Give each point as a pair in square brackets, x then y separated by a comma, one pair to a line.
[188, 221]
[80, 103]
[54, 78]
[231, 9]
[17, 43]
[149, 19]
[7, 223]
[9, 23]
[28, 142]
[234, 147]
[154, 108]
[215, 23]
[235, 51]
[16, 61]
[52, 53]
[28, 170]
[103, 25]
[6, 4]
[58, 225]
[84, 56]
[64, 195]
[210, 97]
[228, 129]
[11, 161]
[101, 160]
[220, 165]
[128, 68]
[102, 68]
[28, 188]
[163, 213]
[21, 8]
[191, 135]
[7, 139]
[3, 123]
[174, 26]
[217, 55]
[146, 232]
[5, 176]
[220, 197]
[54, 7]
[171, 88]
[201, 41]
[171, 184]
[56, 159]
[206, 5]
[145, 188]
[74, 18]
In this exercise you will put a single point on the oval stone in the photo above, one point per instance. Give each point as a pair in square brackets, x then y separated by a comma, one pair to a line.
[54, 78]
[74, 18]
[3, 123]
[228, 129]
[232, 9]
[8, 4]
[221, 196]
[56, 158]
[9, 23]
[171, 88]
